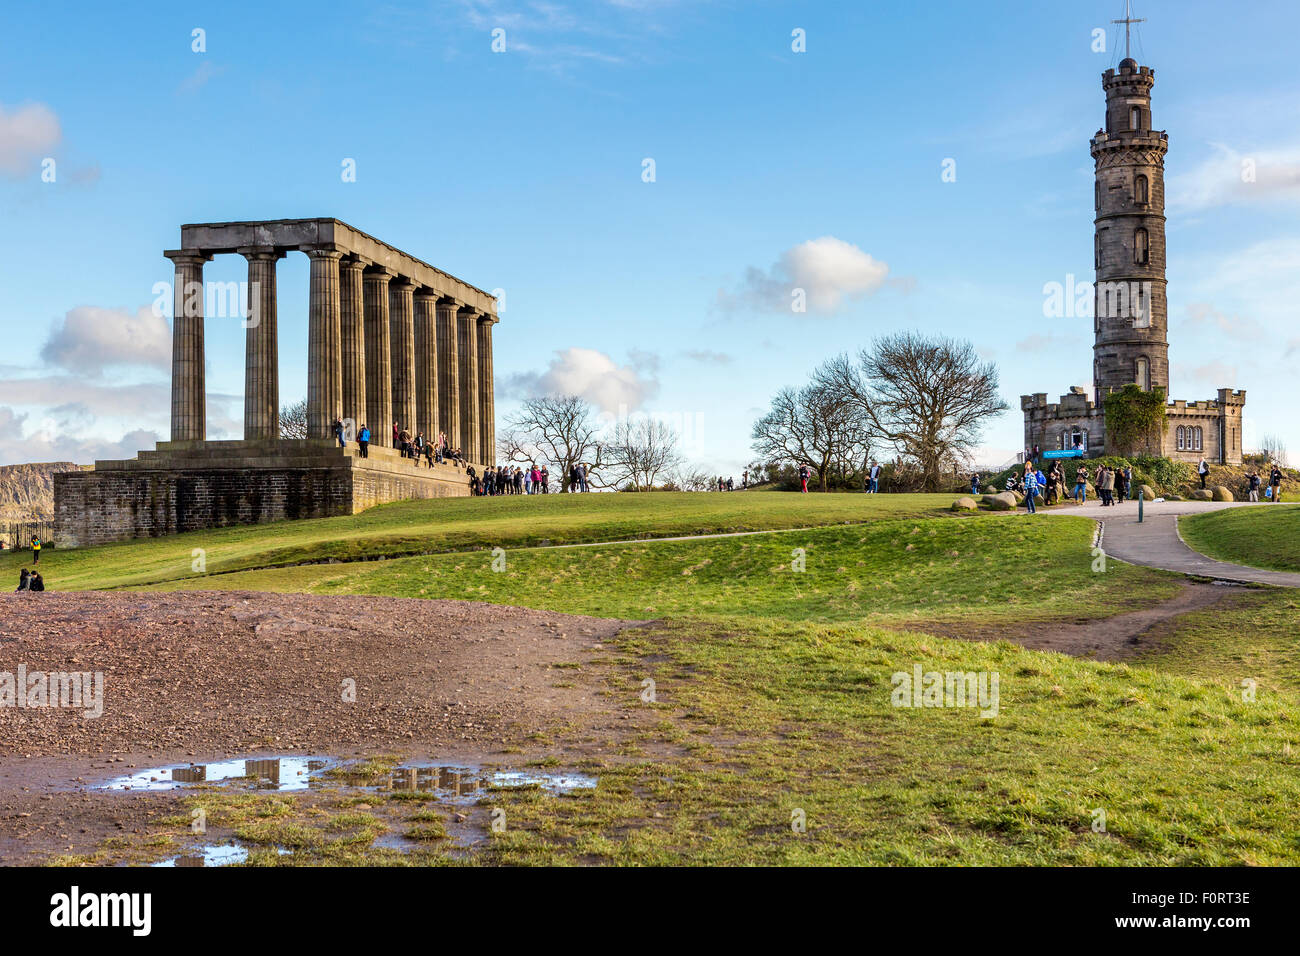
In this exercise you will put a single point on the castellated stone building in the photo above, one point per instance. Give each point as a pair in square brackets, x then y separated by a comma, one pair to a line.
[390, 340]
[1131, 313]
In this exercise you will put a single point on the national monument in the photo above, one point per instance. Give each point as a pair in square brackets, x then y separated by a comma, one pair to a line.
[390, 338]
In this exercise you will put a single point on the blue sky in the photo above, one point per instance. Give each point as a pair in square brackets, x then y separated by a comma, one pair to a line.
[523, 170]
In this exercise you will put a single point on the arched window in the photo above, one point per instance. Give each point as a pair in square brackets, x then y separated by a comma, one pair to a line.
[1141, 247]
[1135, 118]
[1198, 436]
[1181, 438]
[1142, 374]
[1141, 191]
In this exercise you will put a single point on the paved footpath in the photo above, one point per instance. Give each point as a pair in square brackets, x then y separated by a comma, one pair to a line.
[1155, 543]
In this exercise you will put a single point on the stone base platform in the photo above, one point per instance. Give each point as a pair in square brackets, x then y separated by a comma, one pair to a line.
[188, 486]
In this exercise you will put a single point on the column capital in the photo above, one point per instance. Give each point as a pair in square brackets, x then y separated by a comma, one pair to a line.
[353, 262]
[469, 312]
[324, 250]
[188, 256]
[447, 302]
[488, 318]
[260, 253]
[380, 273]
[403, 284]
[424, 292]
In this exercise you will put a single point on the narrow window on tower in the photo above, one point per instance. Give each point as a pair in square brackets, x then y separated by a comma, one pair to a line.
[1141, 250]
[1199, 436]
[1143, 371]
[1135, 118]
[1140, 191]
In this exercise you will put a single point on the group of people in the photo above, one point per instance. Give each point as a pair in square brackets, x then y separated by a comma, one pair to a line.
[1274, 490]
[416, 447]
[1112, 485]
[504, 480]
[32, 580]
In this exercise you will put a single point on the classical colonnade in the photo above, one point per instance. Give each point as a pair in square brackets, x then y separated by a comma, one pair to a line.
[390, 338]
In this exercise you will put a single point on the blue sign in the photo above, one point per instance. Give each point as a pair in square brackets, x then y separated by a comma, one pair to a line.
[1068, 453]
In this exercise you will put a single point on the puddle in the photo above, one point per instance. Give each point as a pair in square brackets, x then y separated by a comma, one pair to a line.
[462, 784]
[217, 854]
[274, 773]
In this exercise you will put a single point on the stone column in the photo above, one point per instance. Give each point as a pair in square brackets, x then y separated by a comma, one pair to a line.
[189, 399]
[324, 357]
[401, 308]
[379, 378]
[467, 344]
[426, 364]
[261, 347]
[352, 341]
[487, 415]
[448, 372]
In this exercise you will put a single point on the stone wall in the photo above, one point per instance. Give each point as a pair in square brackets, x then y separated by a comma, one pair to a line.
[190, 489]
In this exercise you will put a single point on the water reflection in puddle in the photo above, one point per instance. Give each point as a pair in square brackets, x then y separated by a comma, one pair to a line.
[456, 784]
[274, 773]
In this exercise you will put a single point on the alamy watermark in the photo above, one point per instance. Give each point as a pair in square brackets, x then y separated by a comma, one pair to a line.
[38, 690]
[946, 689]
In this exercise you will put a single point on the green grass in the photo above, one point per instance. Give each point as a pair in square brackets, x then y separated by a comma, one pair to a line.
[458, 524]
[1267, 536]
[774, 692]
[902, 571]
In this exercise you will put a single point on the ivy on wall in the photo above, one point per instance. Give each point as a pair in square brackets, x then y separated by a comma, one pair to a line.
[1133, 418]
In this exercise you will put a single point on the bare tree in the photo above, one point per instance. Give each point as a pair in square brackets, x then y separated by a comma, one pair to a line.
[1273, 449]
[293, 419]
[814, 426]
[561, 430]
[929, 398]
[687, 477]
[641, 451]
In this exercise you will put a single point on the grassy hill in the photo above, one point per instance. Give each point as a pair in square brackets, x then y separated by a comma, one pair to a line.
[774, 683]
[1264, 537]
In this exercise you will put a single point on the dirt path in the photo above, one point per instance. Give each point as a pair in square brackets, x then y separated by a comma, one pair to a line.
[201, 676]
[1109, 639]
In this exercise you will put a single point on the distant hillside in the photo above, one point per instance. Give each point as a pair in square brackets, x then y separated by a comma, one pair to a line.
[27, 491]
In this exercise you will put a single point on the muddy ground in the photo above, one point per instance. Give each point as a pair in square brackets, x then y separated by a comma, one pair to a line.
[199, 676]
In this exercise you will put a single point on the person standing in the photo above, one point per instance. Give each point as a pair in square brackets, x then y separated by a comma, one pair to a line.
[36, 550]
[546, 480]
[1203, 469]
[1081, 485]
[1252, 485]
[875, 477]
[1031, 488]
[1275, 482]
[974, 483]
[803, 479]
[363, 440]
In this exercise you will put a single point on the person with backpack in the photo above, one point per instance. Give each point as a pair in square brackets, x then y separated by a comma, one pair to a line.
[1275, 483]
[363, 441]
[36, 550]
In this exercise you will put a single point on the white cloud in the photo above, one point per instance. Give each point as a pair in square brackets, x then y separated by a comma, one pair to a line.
[830, 272]
[27, 135]
[90, 339]
[44, 443]
[1229, 176]
[592, 375]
